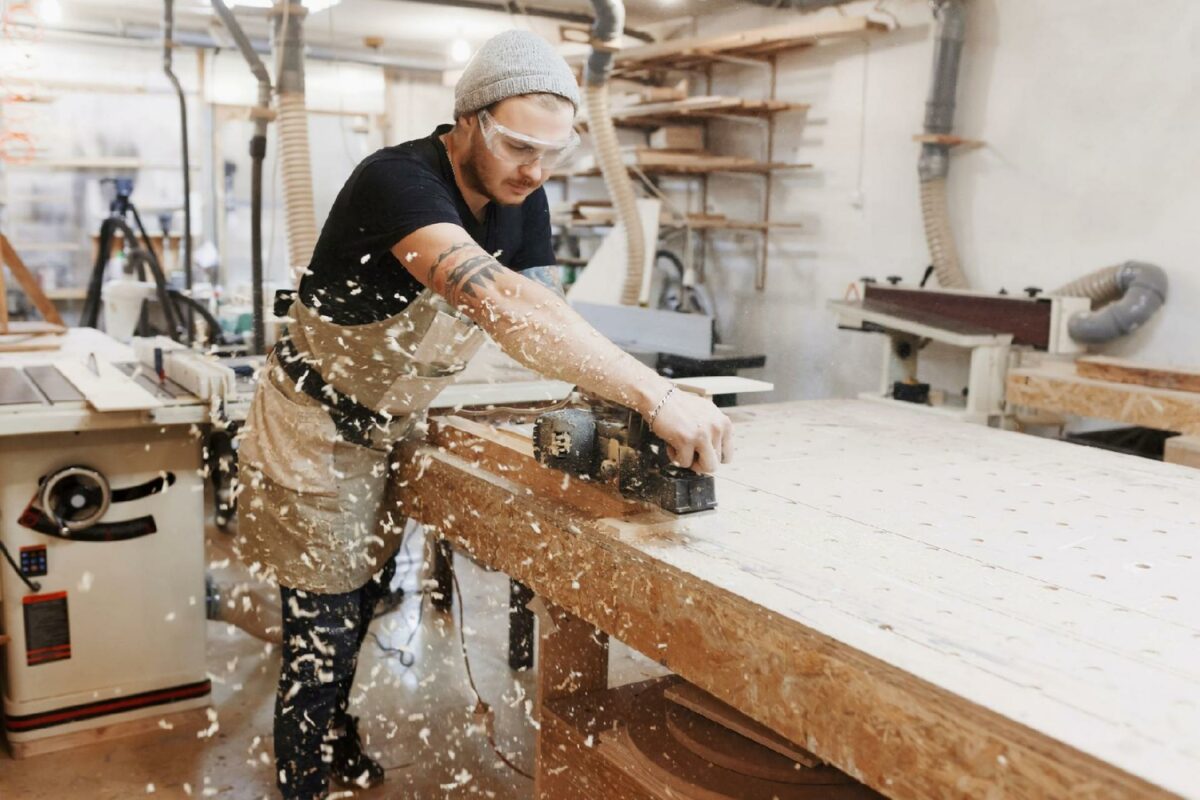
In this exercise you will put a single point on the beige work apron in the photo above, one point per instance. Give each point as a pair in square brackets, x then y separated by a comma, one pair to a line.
[314, 510]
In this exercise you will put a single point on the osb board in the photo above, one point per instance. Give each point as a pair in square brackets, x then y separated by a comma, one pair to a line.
[616, 745]
[1056, 387]
[1125, 371]
[940, 609]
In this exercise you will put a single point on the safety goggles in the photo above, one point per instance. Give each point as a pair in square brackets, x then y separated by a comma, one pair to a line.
[517, 148]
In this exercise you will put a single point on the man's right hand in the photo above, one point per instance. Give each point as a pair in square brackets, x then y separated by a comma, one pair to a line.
[697, 433]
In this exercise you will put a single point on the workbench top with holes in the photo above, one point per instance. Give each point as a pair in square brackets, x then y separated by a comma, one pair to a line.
[937, 608]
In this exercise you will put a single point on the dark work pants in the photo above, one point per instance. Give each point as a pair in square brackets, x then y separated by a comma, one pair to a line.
[322, 634]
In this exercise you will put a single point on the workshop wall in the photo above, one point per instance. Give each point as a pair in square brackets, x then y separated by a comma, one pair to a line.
[92, 103]
[1068, 97]
[71, 114]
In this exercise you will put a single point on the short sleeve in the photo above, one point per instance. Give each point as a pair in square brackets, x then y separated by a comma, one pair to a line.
[536, 249]
[395, 197]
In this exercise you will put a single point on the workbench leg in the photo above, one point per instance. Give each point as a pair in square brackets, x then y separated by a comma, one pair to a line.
[442, 572]
[520, 626]
[572, 658]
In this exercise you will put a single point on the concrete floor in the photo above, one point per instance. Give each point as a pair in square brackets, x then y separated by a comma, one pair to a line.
[417, 719]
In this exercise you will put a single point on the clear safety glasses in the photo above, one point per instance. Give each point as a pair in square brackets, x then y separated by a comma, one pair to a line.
[517, 148]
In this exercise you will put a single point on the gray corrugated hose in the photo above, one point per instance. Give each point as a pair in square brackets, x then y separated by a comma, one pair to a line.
[1126, 295]
[606, 36]
[934, 165]
[292, 126]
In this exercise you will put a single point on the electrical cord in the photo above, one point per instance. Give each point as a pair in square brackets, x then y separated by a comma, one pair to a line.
[34, 586]
[481, 707]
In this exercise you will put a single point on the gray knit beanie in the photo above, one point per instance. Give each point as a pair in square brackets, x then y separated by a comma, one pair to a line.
[509, 64]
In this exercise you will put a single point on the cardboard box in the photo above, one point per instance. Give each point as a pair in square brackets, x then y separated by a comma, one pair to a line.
[678, 137]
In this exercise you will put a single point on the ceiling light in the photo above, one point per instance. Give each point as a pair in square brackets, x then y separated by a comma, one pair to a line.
[460, 51]
[313, 6]
[49, 11]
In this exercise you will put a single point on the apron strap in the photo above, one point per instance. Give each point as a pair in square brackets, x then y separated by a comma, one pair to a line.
[353, 420]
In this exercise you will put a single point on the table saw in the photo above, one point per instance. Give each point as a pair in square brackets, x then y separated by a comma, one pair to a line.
[937, 609]
[101, 521]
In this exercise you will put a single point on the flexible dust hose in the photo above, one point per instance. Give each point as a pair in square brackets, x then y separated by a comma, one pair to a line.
[606, 36]
[939, 237]
[1123, 298]
[168, 47]
[292, 122]
[934, 164]
[258, 153]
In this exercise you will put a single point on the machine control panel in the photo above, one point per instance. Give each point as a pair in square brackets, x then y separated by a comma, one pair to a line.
[33, 561]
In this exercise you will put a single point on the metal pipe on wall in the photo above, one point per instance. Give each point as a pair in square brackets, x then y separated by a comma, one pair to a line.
[168, 47]
[258, 151]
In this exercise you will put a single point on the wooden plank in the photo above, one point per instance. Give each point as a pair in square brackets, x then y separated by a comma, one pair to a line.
[713, 385]
[804, 31]
[709, 707]
[111, 390]
[941, 610]
[28, 342]
[1184, 450]
[1056, 387]
[1122, 370]
[28, 283]
[698, 109]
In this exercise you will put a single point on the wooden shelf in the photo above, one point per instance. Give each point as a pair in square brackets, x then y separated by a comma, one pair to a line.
[702, 166]
[694, 221]
[756, 44]
[66, 293]
[947, 139]
[699, 109]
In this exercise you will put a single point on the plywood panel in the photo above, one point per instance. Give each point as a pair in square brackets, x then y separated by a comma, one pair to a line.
[940, 609]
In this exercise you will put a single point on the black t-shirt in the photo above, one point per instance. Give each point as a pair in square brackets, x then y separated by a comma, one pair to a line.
[392, 193]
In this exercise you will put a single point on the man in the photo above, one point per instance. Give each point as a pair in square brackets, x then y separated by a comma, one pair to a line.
[421, 254]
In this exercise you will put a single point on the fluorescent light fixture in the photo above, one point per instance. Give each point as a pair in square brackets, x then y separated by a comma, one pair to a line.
[49, 11]
[460, 51]
[313, 6]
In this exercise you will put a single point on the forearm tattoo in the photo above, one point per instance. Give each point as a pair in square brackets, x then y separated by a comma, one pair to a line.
[472, 275]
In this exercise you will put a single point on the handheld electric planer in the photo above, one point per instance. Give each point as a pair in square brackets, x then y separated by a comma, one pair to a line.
[612, 443]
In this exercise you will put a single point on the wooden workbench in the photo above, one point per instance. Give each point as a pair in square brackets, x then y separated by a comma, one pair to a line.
[939, 609]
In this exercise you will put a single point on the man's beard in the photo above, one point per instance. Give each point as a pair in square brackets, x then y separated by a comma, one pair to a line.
[474, 176]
